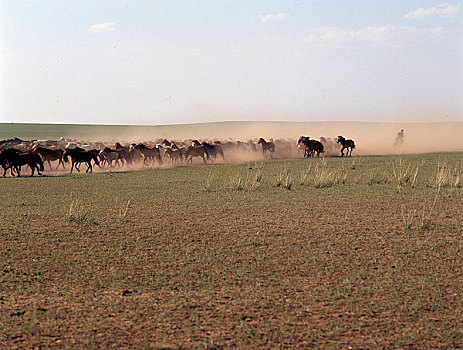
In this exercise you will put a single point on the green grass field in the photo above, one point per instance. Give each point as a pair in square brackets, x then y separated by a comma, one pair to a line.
[364, 252]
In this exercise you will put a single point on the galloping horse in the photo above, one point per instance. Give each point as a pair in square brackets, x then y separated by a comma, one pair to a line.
[78, 156]
[50, 155]
[346, 144]
[195, 151]
[266, 146]
[174, 154]
[13, 159]
[108, 155]
[149, 153]
[124, 153]
[213, 150]
[311, 146]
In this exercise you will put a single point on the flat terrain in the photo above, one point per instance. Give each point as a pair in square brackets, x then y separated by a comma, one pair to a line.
[363, 252]
[370, 137]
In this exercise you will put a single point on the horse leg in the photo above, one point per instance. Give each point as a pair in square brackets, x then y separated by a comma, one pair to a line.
[342, 153]
[49, 164]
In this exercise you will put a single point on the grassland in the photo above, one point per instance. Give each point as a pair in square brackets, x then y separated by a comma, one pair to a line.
[364, 252]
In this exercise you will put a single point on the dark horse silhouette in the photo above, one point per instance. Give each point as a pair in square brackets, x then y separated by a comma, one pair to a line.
[80, 156]
[10, 159]
[311, 146]
[346, 144]
[266, 146]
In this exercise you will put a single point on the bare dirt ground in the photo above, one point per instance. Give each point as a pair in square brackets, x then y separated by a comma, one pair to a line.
[363, 252]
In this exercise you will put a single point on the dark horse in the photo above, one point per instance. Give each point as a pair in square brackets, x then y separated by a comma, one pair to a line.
[311, 146]
[346, 144]
[266, 146]
[80, 156]
[14, 159]
[49, 155]
[213, 150]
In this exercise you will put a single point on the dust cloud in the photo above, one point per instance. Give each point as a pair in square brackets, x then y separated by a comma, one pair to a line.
[370, 138]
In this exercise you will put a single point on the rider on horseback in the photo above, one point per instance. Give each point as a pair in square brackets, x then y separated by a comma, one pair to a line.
[400, 138]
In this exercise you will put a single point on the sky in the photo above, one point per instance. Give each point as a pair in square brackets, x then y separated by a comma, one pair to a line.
[168, 62]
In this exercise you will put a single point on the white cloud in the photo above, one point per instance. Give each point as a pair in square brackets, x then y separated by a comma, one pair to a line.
[441, 10]
[102, 27]
[272, 18]
[386, 35]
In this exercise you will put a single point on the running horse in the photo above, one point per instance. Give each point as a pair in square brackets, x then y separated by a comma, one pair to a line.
[346, 144]
[14, 159]
[49, 155]
[213, 150]
[196, 151]
[173, 153]
[149, 153]
[311, 146]
[81, 156]
[266, 146]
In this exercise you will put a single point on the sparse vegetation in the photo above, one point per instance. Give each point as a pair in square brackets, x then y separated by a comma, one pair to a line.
[285, 179]
[404, 174]
[76, 213]
[336, 266]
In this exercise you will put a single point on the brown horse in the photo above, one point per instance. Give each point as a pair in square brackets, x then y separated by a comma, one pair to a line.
[266, 146]
[124, 153]
[174, 154]
[49, 155]
[346, 144]
[78, 156]
[149, 153]
[195, 151]
[213, 150]
[311, 146]
[14, 159]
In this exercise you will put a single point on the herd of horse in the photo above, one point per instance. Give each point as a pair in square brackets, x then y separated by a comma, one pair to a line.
[16, 153]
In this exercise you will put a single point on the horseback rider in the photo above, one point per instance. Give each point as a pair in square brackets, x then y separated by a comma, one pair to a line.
[400, 138]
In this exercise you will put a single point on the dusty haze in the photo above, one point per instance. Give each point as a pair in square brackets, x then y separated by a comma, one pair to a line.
[370, 137]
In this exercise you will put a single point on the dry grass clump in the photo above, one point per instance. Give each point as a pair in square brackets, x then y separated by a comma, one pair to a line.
[448, 176]
[320, 176]
[285, 179]
[422, 218]
[77, 214]
[250, 181]
[404, 174]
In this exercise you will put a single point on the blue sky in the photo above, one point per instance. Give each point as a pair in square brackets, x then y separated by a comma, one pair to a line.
[163, 62]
